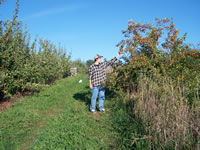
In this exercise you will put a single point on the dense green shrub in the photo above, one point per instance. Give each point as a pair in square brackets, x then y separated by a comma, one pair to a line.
[80, 65]
[160, 76]
[25, 66]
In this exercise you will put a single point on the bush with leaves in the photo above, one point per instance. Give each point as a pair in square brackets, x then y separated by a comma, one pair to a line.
[80, 65]
[153, 53]
[22, 66]
[145, 48]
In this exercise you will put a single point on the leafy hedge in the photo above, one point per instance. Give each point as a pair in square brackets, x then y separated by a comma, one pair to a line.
[160, 77]
[148, 48]
[25, 65]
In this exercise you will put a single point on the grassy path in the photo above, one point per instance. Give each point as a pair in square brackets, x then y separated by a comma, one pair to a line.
[57, 118]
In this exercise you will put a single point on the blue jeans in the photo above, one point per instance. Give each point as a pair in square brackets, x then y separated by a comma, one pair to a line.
[99, 92]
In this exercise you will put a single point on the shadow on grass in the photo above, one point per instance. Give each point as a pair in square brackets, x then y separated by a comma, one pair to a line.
[83, 96]
[127, 126]
[86, 96]
[123, 122]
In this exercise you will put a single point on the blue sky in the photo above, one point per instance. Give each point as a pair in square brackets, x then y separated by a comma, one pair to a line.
[90, 27]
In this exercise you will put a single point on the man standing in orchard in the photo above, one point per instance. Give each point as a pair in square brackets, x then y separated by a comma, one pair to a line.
[97, 77]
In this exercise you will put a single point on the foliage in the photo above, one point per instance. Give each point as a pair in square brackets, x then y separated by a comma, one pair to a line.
[1, 2]
[89, 62]
[22, 65]
[155, 56]
[80, 65]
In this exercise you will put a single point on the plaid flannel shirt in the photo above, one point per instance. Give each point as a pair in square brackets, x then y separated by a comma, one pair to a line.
[97, 73]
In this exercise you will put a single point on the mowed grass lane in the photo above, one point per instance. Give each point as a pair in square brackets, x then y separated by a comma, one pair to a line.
[56, 118]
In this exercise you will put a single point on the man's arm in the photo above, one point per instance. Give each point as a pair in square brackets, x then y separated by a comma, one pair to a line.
[91, 86]
[118, 54]
[90, 77]
[114, 59]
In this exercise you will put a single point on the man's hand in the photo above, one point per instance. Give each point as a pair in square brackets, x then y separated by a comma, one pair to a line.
[119, 53]
[91, 86]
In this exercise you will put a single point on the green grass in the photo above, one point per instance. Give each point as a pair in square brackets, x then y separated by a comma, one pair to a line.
[58, 118]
